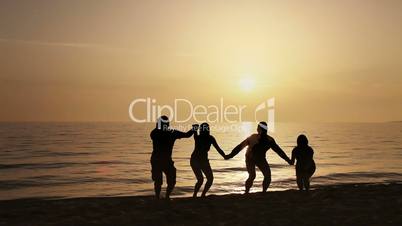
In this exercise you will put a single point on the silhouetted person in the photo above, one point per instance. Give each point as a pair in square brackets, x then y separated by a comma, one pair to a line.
[163, 139]
[199, 158]
[305, 165]
[258, 144]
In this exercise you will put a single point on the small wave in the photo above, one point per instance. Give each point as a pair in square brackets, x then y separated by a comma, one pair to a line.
[109, 162]
[51, 181]
[56, 165]
[230, 169]
[349, 177]
[183, 190]
[46, 153]
[67, 153]
[236, 169]
[360, 175]
[38, 165]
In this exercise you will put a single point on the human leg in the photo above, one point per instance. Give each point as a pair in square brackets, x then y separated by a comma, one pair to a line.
[170, 179]
[198, 174]
[309, 174]
[266, 171]
[157, 178]
[210, 178]
[299, 180]
[250, 165]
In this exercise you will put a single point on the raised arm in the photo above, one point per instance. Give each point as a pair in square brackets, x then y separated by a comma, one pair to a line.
[180, 134]
[215, 144]
[280, 152]
[238, 148]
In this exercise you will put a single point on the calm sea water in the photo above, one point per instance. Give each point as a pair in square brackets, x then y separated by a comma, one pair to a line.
[112, 159]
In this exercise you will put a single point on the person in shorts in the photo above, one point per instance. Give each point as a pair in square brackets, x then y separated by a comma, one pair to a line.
[163, 139]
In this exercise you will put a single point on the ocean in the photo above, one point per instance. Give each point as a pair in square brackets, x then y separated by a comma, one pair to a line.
[64, 160]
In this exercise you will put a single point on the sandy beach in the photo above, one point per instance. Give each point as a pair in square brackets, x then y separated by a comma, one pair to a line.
[363, 204]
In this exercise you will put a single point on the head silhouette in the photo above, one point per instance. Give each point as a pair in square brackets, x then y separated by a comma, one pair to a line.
[262, 128]
[163, 123]
[302, 140]
[204, 129]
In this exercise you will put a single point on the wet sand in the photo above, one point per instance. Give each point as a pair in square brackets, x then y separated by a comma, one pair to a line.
[362, 204]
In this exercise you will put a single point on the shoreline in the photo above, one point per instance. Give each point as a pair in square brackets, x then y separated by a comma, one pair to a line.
[351, 204]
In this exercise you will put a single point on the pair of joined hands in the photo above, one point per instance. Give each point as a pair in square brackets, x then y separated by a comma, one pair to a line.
[227, 157]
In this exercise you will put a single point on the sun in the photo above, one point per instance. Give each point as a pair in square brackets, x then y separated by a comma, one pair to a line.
[247, 84]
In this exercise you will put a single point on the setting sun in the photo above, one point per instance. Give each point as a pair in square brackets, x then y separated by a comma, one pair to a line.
[247, 84]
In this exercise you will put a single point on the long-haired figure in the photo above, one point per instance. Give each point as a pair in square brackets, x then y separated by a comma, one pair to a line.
[305, 165]
[199, 158]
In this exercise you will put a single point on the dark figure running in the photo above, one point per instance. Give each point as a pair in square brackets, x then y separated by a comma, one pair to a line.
[163, 139]
[258, 144]
[305, 165]
[199, 158]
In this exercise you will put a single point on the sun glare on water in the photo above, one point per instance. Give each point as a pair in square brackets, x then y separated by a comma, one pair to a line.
[247, 84]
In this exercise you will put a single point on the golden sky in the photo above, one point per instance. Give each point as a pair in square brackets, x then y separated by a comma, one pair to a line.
[325, 61]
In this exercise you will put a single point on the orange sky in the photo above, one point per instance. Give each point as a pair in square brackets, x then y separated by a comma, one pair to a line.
[87, 60]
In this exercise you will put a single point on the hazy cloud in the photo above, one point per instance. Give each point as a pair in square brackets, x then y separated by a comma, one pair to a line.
[66, 45]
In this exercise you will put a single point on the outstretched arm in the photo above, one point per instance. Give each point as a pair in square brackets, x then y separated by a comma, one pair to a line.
[187, 134]
[238, 148]
[215, 144]
[280, 152]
